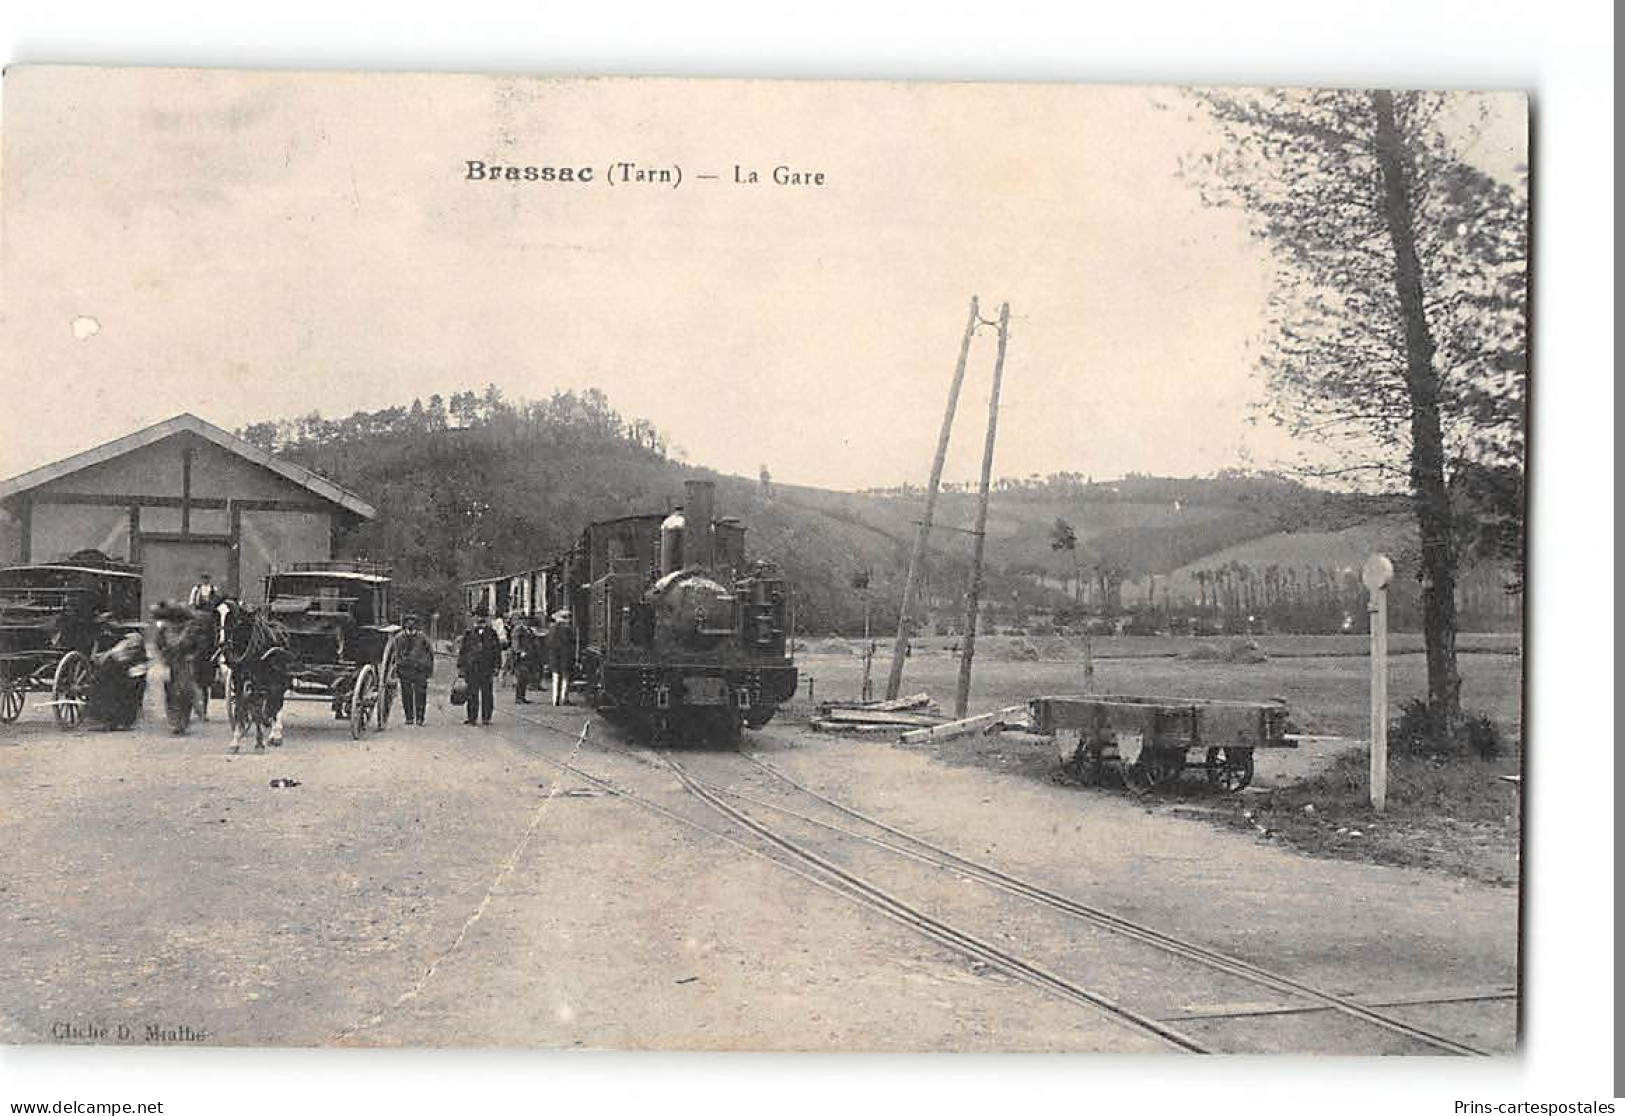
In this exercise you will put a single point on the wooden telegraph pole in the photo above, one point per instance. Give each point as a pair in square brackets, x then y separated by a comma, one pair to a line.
[1376, 574]
[974, 599]
[917, 559]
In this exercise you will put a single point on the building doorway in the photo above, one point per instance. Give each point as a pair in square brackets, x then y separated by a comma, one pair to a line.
[169, 569]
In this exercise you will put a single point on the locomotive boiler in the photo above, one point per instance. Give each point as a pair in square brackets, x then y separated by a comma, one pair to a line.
[676, 627]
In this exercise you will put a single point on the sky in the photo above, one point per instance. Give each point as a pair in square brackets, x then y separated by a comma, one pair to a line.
[251, 245]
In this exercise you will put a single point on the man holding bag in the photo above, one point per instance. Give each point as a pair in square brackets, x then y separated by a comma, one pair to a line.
[478, 658]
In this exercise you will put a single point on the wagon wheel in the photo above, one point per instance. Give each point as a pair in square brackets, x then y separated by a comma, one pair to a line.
[11, 698]
[68, 689]
[1229, 769]
[363, 700]
[1084, 764]
[389, 683]
[1155, 768]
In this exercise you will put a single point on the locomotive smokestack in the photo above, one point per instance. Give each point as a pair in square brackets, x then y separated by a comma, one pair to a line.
[699, 509]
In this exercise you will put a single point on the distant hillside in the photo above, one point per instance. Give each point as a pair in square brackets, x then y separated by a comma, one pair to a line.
[1343, 550]
[478, 484]
[1291, 576]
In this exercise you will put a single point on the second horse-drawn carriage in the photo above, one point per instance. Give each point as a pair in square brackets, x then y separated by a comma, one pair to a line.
[54, 618]
[334, 617]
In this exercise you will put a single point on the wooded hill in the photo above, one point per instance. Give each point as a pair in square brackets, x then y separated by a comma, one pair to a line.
[478, 485]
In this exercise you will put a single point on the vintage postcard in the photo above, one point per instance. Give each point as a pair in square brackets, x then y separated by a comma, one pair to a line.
[717, 565]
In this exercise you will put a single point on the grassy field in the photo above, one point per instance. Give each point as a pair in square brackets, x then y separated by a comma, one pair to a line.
[1037, 648]
[1455, 815]
[1323, 679]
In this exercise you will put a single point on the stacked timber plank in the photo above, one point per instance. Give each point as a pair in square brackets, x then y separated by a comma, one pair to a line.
[894, 716]
[915, 719]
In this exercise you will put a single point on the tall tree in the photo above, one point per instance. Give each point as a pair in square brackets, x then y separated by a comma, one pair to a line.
[1063, 537]
[1398, 325]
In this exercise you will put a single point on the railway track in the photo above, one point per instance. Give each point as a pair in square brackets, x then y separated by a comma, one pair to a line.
[917, 848]
[832, 878]
[755, 836]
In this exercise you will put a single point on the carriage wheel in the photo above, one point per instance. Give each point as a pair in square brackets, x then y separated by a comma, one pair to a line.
[1229, 769]
[1085, 764]
[68, 689]
[389, 684]
[363, 700]
[11, 699]
[1155, 768]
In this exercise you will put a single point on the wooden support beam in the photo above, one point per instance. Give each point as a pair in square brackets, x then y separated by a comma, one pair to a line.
[973, 598]
[916, 561]
[964, 727]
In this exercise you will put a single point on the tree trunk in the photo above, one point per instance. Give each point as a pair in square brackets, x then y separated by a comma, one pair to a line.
[1428, 492]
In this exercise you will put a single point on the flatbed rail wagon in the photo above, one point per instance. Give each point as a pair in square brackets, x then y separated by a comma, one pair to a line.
[1151, 741]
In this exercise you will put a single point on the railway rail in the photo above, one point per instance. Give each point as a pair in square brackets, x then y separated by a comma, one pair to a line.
[726, 803]
[832, 878]
[927, 852]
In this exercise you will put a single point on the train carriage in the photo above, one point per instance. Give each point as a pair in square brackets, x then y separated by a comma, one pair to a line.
[533, 592]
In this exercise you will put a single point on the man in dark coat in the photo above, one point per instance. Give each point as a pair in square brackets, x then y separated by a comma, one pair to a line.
[478, 658]
[561, 655]
[527, 656]
[415, 666]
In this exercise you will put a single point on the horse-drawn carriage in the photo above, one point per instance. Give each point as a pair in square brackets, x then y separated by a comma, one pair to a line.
[334, 619]
[53, 618]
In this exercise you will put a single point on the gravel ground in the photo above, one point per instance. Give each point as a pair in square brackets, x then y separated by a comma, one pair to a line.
[449, 886]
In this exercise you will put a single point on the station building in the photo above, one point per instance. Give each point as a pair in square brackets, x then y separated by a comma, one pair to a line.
[178, 498]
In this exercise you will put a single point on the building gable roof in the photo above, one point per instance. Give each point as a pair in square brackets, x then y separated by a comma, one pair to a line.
[190, 423]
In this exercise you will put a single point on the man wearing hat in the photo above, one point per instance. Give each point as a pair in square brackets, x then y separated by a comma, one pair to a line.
[561, 654]
[527, 655]
[478, 657]
[414, 659]
[204, 595]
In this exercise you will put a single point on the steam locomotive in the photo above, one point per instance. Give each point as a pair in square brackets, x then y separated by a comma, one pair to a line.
[676, 630]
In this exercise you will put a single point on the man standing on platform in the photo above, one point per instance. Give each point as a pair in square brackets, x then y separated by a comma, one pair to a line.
[561, 654]
[478, 658]
[204, 595]
[415, 656]
[527, 656]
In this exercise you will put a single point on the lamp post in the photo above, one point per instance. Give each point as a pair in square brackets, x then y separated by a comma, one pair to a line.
[1377, 573]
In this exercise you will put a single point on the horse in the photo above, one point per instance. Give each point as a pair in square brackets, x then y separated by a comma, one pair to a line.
[259, 666]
